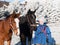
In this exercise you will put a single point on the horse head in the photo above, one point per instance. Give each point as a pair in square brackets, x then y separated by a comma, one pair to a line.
[15, 25]
[31, 15]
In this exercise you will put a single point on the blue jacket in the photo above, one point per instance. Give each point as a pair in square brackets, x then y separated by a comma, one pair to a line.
[40, 36]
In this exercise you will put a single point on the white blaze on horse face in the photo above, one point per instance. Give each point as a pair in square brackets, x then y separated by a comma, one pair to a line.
[17, 25]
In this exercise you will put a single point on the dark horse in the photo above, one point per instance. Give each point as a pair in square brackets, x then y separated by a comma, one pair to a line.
[27, 26]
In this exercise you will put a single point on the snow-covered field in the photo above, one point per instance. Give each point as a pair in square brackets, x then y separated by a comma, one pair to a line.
[55, 32]
[15, 40]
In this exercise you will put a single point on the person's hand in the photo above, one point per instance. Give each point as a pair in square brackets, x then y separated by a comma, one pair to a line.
[33, 34]
[33, 25]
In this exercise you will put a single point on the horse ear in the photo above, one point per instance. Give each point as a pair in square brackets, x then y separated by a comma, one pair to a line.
[17, 15]
[13, 12]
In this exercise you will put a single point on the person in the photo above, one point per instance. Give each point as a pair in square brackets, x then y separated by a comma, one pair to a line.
[41, 33]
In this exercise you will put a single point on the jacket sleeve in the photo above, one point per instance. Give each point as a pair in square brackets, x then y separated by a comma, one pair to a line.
[48, 32]
[38, 30]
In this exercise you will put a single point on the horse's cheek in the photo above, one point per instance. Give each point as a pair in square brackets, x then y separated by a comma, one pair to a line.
[7, 28]
[0, 26]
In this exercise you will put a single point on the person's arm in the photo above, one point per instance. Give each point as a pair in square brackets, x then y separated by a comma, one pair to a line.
[48, 32]
[38, 30]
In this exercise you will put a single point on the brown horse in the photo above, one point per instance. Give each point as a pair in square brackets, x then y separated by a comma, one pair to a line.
[6, 27]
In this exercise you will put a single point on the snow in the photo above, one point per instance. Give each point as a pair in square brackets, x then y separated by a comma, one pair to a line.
[49, 8]
[15, 40]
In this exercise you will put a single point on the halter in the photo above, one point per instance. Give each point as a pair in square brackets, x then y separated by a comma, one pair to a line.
[12, 25]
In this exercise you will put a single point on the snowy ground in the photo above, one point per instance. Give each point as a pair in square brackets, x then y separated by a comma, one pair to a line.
[55, 32]
[15, 40]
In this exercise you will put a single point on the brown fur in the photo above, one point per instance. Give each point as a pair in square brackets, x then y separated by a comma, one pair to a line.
[6, 28]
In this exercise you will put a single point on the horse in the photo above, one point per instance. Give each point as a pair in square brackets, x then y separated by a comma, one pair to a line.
[27, 25]
[7, 27]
